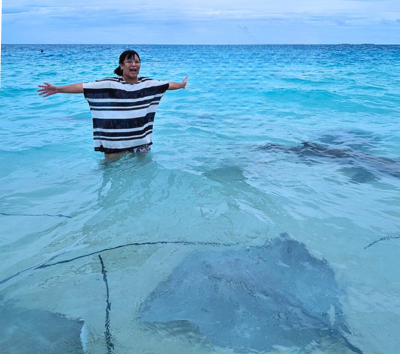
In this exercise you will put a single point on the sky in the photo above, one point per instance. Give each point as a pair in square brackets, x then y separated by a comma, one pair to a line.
[200, 22]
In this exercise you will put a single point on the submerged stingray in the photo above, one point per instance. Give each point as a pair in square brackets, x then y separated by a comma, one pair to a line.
[363, 164]
[255, 298]
[25, 331]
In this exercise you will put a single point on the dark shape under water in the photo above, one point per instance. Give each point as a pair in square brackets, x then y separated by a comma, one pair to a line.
[254, 298]
[385, 238]
[353, 139]
[226, 174]
[34, 331]
[52, 215]
[363, 164]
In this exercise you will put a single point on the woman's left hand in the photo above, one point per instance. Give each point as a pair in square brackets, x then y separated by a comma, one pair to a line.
[178, 85]
[184, 82]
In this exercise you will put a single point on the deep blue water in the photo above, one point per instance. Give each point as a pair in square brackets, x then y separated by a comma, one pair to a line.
[226, 167]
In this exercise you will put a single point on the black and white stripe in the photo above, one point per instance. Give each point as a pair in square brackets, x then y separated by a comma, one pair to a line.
[123, 113]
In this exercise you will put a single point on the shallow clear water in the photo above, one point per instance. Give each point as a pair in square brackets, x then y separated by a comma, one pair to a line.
[208, 178]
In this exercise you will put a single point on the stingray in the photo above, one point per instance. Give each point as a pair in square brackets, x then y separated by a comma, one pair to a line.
[25, 330]
[256, 298]
[361, 164]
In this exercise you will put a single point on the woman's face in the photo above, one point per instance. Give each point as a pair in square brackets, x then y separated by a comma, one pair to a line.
[130, 69]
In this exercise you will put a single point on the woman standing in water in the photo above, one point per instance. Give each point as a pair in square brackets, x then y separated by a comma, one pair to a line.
[123, 107]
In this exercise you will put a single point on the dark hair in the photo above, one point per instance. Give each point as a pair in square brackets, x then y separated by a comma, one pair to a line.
[128, 54]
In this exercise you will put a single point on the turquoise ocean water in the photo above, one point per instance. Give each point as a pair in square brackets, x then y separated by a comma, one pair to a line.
[226, 167]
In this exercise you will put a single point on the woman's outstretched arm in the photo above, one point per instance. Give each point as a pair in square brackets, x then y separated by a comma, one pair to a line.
[49, 89]
[178, 85]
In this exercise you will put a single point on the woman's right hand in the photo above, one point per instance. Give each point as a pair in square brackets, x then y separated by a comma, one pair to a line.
[47, 89]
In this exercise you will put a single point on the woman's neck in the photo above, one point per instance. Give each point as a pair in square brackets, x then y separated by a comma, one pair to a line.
[129, 80]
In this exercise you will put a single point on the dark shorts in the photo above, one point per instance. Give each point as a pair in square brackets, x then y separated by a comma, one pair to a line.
[140, 149]
[135, 150]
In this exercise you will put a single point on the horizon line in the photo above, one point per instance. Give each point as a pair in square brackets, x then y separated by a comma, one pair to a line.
[209, 44]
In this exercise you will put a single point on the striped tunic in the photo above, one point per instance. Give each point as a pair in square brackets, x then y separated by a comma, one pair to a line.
[123, 113]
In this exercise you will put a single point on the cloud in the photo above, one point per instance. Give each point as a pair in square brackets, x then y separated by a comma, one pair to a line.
[156, 21]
